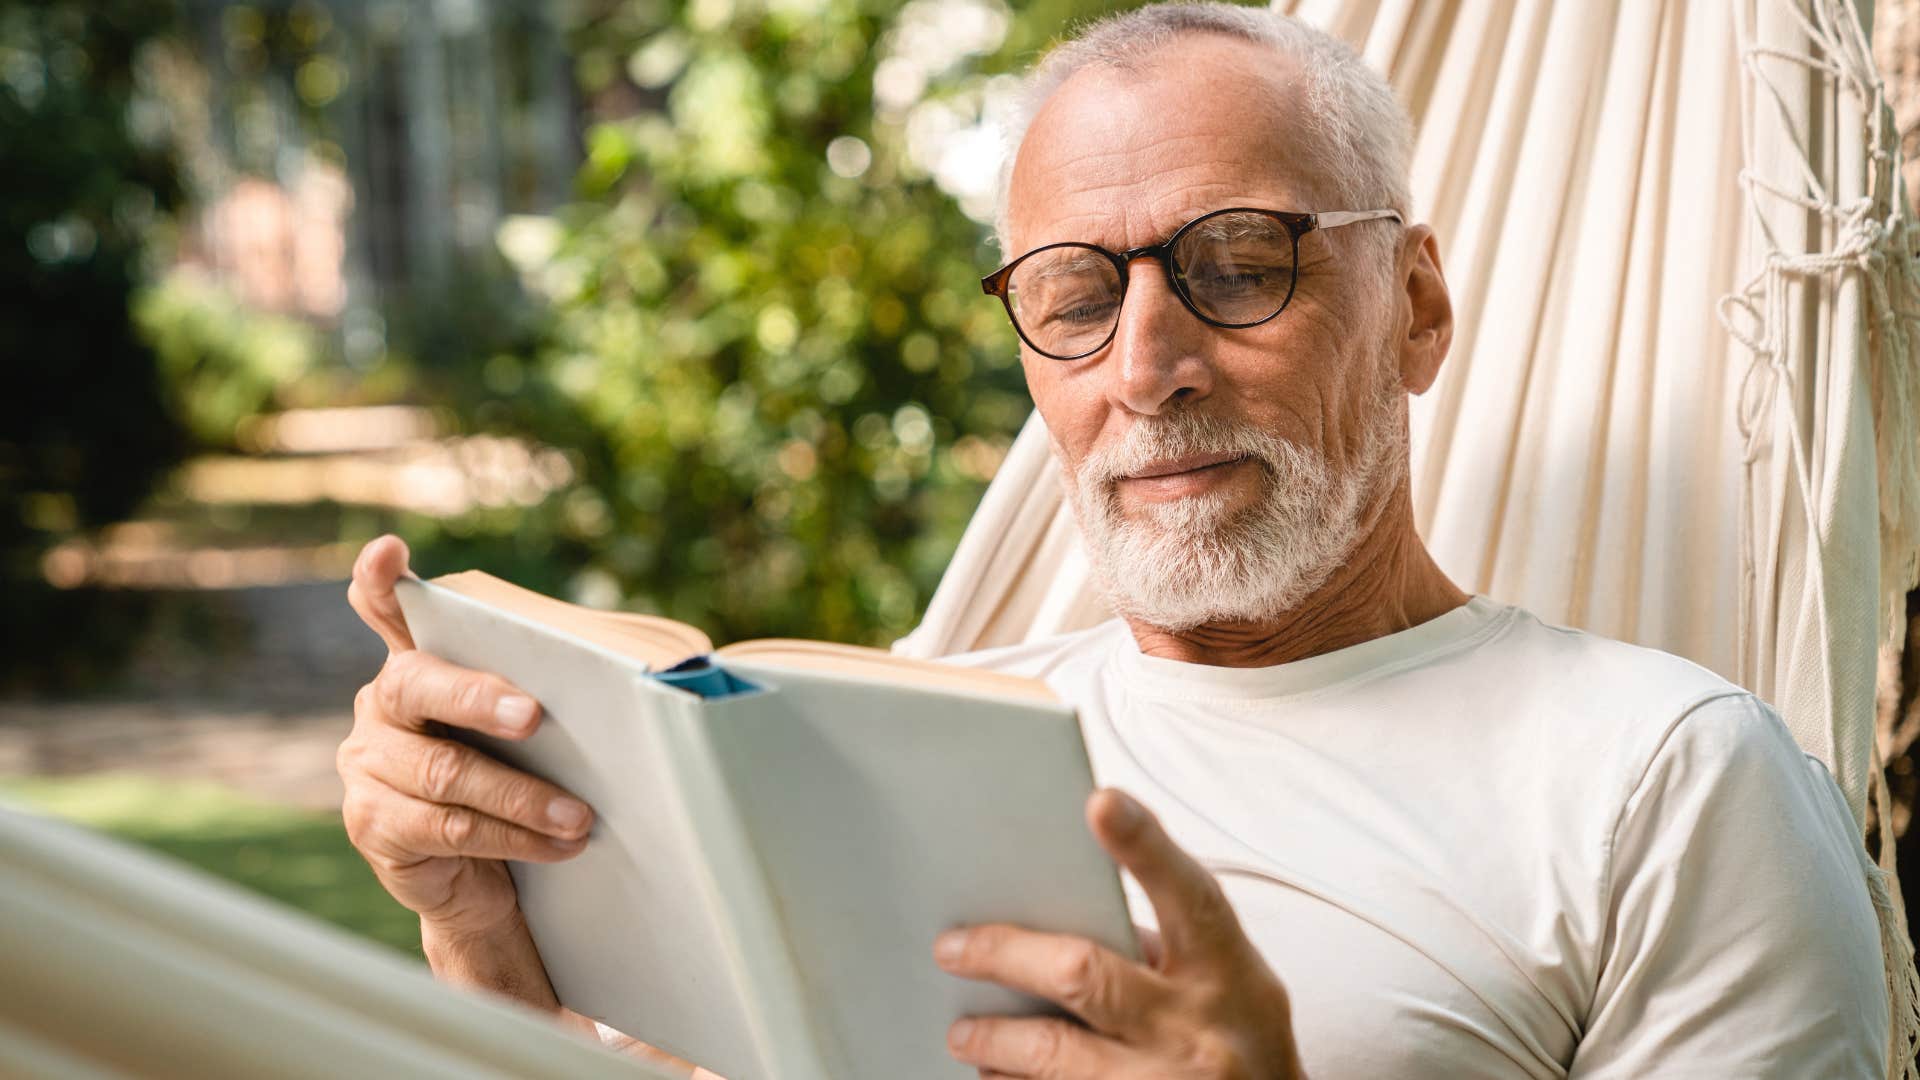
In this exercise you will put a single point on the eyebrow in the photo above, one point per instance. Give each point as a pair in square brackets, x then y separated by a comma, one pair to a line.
[1213, 229]
[1070, 264]
[1218, 228]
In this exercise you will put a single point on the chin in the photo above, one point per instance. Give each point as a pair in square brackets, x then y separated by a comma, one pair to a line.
[1229, 571]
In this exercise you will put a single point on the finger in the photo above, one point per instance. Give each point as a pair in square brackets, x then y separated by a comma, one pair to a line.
[414, 687]
[404, 830]
[1196, 922]
[1033, 1046]
[1111, 993]
[381, 563]
[444, 771]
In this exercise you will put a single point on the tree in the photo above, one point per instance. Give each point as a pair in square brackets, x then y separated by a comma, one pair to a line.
[84, 426]
[768, 350]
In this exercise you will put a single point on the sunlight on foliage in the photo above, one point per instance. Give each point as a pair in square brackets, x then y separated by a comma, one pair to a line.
[772, 354]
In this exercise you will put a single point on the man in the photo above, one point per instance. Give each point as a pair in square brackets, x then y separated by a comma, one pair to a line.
[1394, 830]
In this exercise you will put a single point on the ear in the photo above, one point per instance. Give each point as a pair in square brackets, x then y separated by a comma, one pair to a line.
[1429, 327]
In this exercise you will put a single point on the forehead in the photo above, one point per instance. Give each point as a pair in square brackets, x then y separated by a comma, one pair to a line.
[1124, 156]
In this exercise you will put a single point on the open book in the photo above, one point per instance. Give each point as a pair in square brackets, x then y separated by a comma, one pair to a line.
[783, 828]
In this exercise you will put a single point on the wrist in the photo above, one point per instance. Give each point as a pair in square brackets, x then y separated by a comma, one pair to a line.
[499, 958]
[463, 933]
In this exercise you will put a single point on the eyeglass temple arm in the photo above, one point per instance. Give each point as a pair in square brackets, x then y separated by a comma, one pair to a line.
[1335, 218]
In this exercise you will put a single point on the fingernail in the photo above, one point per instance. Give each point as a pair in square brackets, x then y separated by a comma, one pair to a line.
[958, 1034]
[1127, 813]
[948, 947]
[515, 713]
[568, 814]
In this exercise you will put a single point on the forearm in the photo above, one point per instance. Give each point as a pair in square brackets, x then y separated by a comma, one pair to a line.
[501, 960]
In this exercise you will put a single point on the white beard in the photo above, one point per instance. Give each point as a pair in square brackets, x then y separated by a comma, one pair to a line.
[1193, 560]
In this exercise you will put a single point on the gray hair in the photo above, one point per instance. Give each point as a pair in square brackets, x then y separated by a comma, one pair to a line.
[1362, 138]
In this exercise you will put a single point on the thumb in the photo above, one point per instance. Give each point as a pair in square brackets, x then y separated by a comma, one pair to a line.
[381, 563]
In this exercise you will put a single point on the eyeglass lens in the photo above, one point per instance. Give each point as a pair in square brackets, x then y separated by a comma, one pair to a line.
[1237, 269]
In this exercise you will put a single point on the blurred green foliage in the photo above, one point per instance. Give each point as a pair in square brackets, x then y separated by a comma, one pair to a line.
[781, 385]
[761, 367]
[220, 361]
[84, 426]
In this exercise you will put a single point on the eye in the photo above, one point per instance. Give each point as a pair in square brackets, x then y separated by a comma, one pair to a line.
[1239, 279]
[1225, 279]
[1082, 311]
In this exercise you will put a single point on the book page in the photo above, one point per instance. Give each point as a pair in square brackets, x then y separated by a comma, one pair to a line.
[662, 643]
[657, 642]
[854, 661]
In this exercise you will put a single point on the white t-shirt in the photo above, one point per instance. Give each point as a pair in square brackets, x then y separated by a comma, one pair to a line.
[1488, 847]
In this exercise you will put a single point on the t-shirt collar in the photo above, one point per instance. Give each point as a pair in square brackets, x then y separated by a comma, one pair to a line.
[1177, 679]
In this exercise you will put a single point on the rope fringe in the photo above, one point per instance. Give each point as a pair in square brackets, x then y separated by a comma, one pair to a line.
[1876, 239]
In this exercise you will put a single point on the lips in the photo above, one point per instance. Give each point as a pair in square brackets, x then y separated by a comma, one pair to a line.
[1184, 464]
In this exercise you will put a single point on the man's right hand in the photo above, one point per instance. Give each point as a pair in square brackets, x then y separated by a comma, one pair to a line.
[433, 817]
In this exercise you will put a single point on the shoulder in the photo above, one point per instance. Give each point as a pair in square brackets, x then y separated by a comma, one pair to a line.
[1729, 767]
[1608, 708]
[1613, 733]
[1618, 677]
[1591, 733]
[1726, 856]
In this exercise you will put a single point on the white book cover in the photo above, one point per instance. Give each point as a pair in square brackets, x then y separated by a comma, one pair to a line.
[768, 869]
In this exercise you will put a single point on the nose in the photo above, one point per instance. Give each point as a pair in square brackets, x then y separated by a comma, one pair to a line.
[1159, 348]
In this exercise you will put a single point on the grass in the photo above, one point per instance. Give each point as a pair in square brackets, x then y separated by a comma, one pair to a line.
[298, 857]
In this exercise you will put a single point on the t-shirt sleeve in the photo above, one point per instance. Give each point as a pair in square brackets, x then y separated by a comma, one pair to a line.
[1740, 939]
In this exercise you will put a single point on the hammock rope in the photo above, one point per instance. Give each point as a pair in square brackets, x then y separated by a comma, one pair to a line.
[1875, 238]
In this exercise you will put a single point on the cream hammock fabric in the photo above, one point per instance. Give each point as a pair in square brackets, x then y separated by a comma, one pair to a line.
[1680, 405]
[117, 963]
[1600, 450]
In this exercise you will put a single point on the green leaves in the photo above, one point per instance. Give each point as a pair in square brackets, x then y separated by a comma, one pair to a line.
[775, 354]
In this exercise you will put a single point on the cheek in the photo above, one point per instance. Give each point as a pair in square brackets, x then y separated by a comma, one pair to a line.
[1069, 400]
[1295, 382]
[1277, 382]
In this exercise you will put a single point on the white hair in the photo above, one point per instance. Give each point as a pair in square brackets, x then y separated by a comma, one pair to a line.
[1362, 140]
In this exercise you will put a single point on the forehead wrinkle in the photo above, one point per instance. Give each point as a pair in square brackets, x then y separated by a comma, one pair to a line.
[1130, 166]
[1124, 215]
[1168, 176]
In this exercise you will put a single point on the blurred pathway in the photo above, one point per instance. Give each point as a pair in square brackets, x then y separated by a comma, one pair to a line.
[259, 705]
[281, 759]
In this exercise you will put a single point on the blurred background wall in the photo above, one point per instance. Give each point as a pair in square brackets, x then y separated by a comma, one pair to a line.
[669, 306]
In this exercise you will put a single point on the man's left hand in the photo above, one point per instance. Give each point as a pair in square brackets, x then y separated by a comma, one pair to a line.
[1204, 1005]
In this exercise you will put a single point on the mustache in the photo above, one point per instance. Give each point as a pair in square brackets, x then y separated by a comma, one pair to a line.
[1158, 438]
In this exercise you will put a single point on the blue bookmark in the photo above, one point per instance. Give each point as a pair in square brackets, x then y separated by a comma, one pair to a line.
[700, 675]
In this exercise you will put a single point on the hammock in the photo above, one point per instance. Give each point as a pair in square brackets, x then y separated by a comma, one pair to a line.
[1741, 494]
[123, 964]
[1680, 406]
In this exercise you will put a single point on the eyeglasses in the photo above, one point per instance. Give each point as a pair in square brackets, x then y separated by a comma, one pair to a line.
[1232, 268]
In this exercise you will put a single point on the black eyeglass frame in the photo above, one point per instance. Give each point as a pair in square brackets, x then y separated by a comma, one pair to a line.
[1298, 225]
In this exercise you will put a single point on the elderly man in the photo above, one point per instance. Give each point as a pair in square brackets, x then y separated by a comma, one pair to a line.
[1395, 831]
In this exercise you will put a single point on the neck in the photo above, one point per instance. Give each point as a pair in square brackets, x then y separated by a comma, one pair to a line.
[1389, 582]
